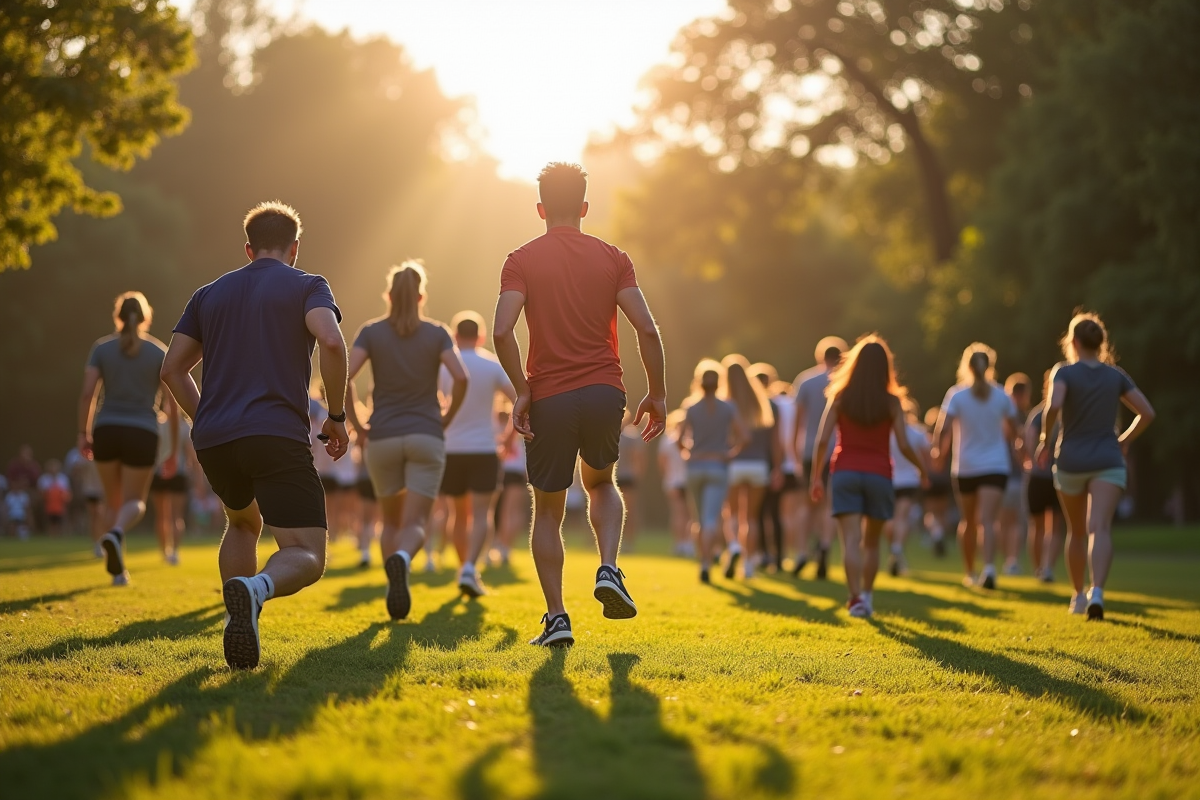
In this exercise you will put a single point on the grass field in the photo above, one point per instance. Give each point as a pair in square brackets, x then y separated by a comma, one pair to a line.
[740, 690]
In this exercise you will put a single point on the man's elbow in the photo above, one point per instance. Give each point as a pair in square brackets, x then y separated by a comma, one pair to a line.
[502, 336]
[648, 332]
[332, 342]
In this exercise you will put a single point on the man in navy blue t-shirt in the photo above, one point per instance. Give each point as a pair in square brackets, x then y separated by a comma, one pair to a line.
[255, 329]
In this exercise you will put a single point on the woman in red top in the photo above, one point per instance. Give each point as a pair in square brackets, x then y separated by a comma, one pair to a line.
[863, 401]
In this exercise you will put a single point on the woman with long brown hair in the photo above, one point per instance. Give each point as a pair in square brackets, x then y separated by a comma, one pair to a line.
[405, 443]
[864, 404]
[984, 423]
[121, 436]
[750, 469]
[1087, 391]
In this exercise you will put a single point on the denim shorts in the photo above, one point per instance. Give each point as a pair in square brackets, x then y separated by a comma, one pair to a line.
[862, 493]
[707, 488]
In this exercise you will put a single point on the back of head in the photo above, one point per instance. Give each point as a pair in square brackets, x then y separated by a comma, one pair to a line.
[468, 325]
[406, 291]
[708, 377]
[562, 188]
[1017, 386]
[1088, 332]
[865, 381]
[764, 373]
[912, 409]
[271, 227]
[132, 316]
[829, 350]
[747, 395]
[977, 368]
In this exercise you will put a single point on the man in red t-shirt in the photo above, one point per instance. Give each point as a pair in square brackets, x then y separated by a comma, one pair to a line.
[570, 399]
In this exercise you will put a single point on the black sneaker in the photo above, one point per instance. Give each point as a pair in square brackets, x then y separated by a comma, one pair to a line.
[800, 564]
[610, 591]
[242, 608]
[557, 632]
[939, 548]
[114, 552]
[893, 567]
[823, 565]
[704, 576]
[731, 567]
[399, 599]
[987, 580]
[1095, 611]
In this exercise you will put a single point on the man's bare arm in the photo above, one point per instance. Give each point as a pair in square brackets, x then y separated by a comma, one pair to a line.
[508, 350]
[183, 354]
[323, 325]
[633, 305]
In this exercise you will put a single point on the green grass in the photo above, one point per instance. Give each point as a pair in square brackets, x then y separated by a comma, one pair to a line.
[758, 690]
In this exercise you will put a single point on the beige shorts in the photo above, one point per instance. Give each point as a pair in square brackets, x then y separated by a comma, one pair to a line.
[414, 462]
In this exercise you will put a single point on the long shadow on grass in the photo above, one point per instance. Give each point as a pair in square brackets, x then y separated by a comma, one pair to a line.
[157, 739]
[1016, 676]
[578, 753]
[754, 599]
[181, 626]
[33, 601]
[34, 564]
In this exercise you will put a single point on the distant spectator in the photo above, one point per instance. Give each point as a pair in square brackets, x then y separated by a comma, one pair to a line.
[54, 489]
[23, 467]
[18, 506]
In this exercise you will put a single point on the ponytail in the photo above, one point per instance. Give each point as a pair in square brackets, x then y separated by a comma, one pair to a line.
[131, 316]
[977, 367]
[406, 290]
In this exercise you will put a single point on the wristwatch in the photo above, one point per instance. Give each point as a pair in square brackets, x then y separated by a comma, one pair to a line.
[338, 417]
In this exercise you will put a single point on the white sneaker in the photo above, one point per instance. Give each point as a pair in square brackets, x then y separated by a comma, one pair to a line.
[242, 607]
[121, 579]
[172, 559]
[859, 607]
[470, 584]
[114, 552]
[1079, 604]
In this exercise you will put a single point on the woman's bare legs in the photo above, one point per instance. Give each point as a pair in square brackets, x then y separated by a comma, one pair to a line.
[967, 530]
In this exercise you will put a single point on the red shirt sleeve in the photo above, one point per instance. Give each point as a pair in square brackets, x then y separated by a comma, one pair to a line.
[512, 277]
[626, 278]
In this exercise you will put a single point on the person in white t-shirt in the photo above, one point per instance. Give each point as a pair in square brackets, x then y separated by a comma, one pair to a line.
[983, 422]
[472, 454]
[906, 482]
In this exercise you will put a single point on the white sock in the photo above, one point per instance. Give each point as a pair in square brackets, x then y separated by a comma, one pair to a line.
[263, 586]
[989, 569]
[1096, 595]
[866, 596]
[734, 547]
[407, 558]
[468, 569]
[897, 549]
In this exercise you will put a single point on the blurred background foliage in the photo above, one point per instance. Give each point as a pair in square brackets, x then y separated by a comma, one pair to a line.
[940, 171]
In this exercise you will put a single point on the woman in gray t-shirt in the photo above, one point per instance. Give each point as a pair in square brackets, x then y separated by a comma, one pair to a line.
[120, 433]
[1089, 470]
[405, 448]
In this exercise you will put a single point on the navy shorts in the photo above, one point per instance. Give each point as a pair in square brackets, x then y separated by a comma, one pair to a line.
[276, 471]
[582, 423]
[862, 493]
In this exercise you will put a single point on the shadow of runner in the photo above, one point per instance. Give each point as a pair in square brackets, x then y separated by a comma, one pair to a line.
[794, 607]
[33, 601]
[157, 739]
[1017, 676]
[181, 626]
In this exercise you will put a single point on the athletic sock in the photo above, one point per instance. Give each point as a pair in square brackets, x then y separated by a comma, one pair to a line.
[407, 558]
[989, 569]
[120, 534]
[468, 568]
[1096, 595]
[897, 549]
[263, 586]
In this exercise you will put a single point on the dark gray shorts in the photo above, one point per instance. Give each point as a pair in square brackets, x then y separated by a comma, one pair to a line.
[582, 423]
[862, 493]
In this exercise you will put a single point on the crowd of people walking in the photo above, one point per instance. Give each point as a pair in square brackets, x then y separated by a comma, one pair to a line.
[758, 473]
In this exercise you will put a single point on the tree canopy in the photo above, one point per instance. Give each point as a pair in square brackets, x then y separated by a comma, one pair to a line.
[101, 72]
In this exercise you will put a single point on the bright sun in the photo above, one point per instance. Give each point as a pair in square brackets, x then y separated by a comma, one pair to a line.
[545, 74]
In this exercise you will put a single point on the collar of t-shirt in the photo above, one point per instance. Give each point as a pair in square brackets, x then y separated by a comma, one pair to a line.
[265, 262]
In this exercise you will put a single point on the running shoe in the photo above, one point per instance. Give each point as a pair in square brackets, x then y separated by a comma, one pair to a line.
[799, 564]
[968, 581]
[731, 567]
[987, 579]
[610, 591]
[704, 578]
[121, 580]
[748, 568]
[557, 632]
[470, 585]
[399, 599]
[823, 564]
[1095, 607]
[172, 559]
[1012, 568]
[98, 551]
[114, 552]
[1079, 604]
[858, 607]
[1046, 576]
[242, 608]
[939, 547]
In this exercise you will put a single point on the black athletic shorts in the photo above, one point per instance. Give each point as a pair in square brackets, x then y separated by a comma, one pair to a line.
[133, 447]
[970, 485]
[276, 471]
[178, 484]
[515, 479]
[474, 473]
[908, 493]
[584, 423]
[1042, 496]
[939, 485]
[366, 489]
[790, 483]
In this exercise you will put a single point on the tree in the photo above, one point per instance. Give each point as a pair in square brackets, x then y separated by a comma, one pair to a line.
[840, 80]
[100, 72]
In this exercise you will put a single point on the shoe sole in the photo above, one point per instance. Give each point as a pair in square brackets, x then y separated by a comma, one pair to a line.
[242, 649]
[559, 639]
[471, 590]
[1095, 613]
[988, 583]
[731, 570]
[114, 562]
[399, 599]
[894, 570]
[616, 604]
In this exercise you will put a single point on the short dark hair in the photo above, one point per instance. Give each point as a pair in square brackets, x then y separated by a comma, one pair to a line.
[562, 188]
[467, 324]
[272, 226]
